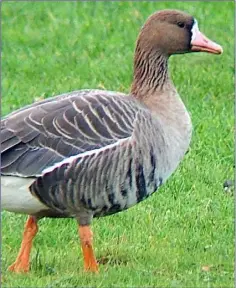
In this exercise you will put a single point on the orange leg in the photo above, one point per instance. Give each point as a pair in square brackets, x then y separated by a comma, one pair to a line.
[22, 261]
[86, 238]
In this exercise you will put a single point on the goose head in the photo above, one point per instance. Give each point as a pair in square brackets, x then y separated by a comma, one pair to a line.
[175, 32]
[165, 33]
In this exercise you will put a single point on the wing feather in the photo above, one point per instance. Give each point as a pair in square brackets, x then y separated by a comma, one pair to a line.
[45, 133]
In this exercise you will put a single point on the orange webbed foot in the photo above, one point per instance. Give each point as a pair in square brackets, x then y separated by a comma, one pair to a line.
[19, 267]
[90, 263]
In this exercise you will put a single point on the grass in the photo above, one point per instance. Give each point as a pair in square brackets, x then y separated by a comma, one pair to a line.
[182, 236]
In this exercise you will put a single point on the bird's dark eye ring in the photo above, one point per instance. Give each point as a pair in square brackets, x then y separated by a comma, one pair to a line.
[180, 24]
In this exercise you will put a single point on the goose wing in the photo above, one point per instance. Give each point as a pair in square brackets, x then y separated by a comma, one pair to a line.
[37, 136]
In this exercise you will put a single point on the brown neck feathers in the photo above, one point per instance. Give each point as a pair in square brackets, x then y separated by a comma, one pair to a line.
[150, 72]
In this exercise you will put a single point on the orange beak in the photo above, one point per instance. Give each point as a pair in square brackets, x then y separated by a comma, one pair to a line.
[200, 43]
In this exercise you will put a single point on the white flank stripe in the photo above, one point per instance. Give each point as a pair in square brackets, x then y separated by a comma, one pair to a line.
[91, 152]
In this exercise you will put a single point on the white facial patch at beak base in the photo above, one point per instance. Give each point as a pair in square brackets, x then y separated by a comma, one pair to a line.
[195, 30]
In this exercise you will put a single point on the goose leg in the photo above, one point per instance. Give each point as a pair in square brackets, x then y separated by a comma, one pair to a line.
[86, 238]
[22, 261]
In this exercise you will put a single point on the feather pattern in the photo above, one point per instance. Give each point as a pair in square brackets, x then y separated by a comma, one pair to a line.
[91, 150]
[61, 127]
[107, 180]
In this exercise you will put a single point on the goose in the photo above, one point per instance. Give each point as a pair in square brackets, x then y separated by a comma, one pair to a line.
[93, 153]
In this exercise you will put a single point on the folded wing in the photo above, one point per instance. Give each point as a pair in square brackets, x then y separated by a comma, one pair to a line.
[39, 135]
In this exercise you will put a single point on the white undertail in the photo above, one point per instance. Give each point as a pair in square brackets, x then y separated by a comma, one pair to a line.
[16, 197]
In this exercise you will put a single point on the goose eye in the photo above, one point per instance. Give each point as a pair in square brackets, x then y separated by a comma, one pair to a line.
[181, 24]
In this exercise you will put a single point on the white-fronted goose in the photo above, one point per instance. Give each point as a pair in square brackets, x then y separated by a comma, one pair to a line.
[92, 153]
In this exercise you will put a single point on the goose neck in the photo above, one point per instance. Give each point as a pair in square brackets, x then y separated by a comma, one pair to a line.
[150, 73]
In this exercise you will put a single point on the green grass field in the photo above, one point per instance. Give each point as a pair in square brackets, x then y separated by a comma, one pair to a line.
[182, 236]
